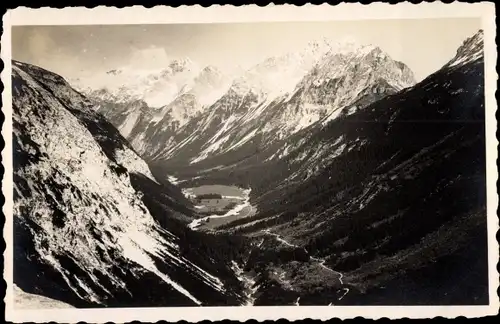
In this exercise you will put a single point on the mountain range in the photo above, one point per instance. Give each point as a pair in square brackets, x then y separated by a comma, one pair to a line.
[369, 188]
[385, 195]
[260, 108]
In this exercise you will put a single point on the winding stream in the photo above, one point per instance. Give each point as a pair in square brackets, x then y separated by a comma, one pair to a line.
[320, 261]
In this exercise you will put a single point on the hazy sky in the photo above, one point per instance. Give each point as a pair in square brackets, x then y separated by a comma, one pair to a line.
[424, 44]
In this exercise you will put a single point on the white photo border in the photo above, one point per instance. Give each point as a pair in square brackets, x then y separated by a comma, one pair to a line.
[253, 13]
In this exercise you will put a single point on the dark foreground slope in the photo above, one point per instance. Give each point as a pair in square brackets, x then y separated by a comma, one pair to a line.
[400, 211]
[92, 225]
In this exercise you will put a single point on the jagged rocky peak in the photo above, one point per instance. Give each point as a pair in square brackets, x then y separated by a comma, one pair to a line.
[210, 75]
[114, 72]
[156, 86]
[212, 69]
[471, 50]
[204, 89]
[345, 45]
[343, 75]
[319, 44]
[327, 45]
[278, 75]
[397, 73]
[405, 69]
[286, 93]
[76, 172]
[182, 64]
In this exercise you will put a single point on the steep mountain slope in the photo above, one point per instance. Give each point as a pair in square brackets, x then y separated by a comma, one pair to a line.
[135, 100]
[399, 206]
[269, 80]
[92, 226]
[277, 99]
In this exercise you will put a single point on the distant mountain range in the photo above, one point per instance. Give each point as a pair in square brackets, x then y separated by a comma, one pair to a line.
[208, 117]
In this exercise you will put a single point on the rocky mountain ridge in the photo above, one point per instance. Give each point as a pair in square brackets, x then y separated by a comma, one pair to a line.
[398, 206]
[248, 120]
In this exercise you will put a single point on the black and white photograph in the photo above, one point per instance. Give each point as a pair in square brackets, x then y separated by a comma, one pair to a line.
[251, 163]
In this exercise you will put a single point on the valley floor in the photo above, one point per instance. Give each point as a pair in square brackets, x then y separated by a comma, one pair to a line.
[265, 241]
[233, 196]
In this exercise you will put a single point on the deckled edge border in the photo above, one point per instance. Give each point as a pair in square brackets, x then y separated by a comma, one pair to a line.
[490, 97]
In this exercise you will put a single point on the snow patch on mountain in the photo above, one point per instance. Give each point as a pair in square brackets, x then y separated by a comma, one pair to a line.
[129, 124]
[155, 87]
[242, 141]
[212, 114]
[172, 179]
[133, 163]
[470, 51]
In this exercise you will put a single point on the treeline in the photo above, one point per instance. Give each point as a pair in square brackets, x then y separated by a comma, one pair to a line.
[208, 196]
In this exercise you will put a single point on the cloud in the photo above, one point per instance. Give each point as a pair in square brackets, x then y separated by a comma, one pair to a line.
[39, 46]
[40, 43]
[149, 58]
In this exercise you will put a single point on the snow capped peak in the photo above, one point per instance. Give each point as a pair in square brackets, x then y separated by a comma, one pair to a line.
[114, 72]
[210, 85]
[345, 45]
[210, 74]
[211, 69]
[183, 64]
[279, 75]
[470, 51]
[319, 46]
[319, 42]
[167, 97]
[479, 35]
[156, 86]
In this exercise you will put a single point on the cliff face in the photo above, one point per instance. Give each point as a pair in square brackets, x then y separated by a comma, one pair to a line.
[92, 225]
